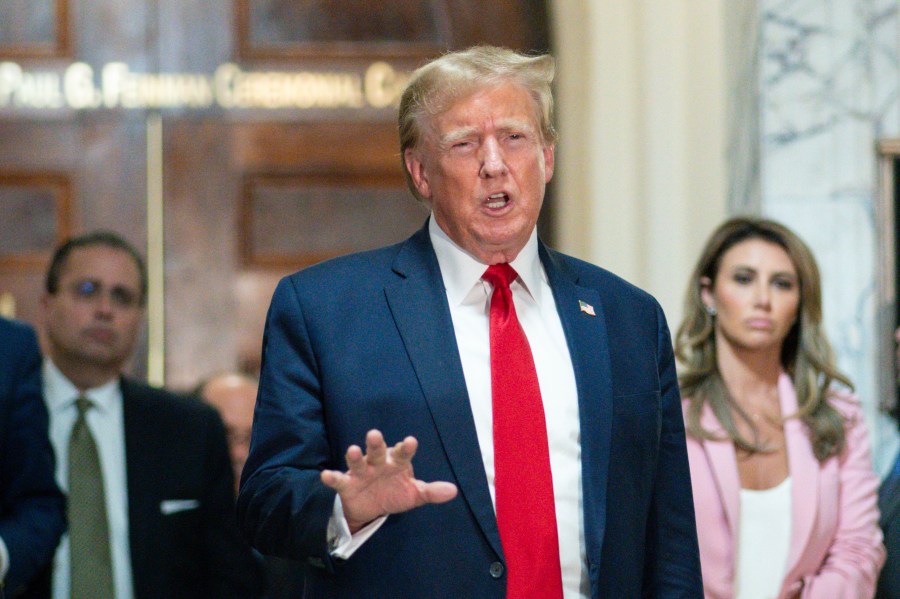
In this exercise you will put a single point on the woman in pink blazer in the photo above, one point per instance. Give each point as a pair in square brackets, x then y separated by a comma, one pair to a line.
[784, 492]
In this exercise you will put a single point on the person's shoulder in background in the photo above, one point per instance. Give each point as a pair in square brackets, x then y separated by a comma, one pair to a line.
[33, 514]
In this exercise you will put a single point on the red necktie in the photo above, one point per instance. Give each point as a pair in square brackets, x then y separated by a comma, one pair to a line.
[526, 513]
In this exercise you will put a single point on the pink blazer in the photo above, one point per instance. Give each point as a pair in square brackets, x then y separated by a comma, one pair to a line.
[836, 550]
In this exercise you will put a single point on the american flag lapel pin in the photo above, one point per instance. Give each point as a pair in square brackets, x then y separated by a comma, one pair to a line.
[586, 308]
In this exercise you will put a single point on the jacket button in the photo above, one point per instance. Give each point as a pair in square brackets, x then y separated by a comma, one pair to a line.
[496, 570]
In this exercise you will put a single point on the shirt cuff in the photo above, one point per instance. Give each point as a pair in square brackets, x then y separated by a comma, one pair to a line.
[4, 560]
[341, 543]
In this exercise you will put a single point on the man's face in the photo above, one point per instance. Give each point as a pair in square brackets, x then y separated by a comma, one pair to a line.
[93, 318]
[483, 167]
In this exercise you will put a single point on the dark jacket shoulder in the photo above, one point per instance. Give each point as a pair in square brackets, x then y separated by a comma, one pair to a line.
[166, 403]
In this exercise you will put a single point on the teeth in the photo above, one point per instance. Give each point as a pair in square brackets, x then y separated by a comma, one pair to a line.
[497, 200]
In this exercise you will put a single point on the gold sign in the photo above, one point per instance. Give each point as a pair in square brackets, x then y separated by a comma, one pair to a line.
[80, 87]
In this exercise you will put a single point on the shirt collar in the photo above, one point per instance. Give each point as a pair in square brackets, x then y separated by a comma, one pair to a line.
[61, 393]
[461, 271]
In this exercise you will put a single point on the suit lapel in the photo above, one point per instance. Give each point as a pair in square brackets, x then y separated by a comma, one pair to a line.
[140, 480]
[589, 349]
[802, 465]
[722, 460]
[804, 471]
[419, 306]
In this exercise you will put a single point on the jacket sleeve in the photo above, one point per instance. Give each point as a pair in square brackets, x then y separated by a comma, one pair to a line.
[672, 535]
[283, 507]
[32, 508]
[856, 554]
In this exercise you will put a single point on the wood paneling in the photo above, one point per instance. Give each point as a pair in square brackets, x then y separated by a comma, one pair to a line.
[34, 29]
[289, 222]
[35, 216]
[93, 168]
[273, 197]
[328, 29]
[298, 29]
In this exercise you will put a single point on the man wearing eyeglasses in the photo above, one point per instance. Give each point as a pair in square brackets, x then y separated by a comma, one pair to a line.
[147, 472]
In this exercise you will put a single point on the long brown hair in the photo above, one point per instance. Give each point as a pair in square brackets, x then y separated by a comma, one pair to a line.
[806, 354]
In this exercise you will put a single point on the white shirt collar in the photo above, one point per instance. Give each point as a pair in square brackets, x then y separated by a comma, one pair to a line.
[61, 393]
[461, 271]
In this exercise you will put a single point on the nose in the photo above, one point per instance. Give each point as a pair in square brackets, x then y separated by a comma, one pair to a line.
[103, 305]
[492, 162]
[763, 296]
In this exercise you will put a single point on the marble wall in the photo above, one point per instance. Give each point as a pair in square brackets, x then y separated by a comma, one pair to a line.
[827, 90]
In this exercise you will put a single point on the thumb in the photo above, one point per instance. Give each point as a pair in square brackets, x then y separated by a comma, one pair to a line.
[438, 492]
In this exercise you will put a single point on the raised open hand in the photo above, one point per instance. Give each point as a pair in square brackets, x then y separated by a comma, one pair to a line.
[381, 481]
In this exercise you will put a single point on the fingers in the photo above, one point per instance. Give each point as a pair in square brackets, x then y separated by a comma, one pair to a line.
[377, 456]
[356, 461]
[402, 453]
[378, 453]
[376, 448]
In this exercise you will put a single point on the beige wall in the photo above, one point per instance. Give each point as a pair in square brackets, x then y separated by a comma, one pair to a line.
[641, 106]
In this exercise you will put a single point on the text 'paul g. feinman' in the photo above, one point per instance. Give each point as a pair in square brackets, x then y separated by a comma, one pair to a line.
[79, 86]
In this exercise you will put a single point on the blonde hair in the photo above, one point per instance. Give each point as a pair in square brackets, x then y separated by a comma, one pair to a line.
[806, 354]
[436, 86]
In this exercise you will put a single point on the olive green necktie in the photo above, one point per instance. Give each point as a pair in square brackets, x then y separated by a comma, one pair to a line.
[91, 562]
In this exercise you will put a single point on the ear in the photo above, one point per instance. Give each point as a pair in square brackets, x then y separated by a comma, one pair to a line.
[549, 161]
[706, 294]
[417, 172]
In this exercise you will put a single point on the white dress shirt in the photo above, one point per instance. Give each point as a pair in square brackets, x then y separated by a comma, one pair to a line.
[106, 423]
[469, 299]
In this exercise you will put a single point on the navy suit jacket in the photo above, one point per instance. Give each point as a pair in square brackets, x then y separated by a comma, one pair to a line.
[176, 452]
[32, 508]
[889, 505]
[366, 341]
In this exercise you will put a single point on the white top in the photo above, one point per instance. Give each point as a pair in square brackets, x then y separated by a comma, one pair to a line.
[469, 299]
[107, 426]
[764, 539]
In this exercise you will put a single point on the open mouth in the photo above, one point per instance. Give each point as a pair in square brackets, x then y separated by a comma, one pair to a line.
[497, 200]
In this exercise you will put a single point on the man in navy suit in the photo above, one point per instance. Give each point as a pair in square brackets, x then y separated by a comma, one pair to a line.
[32, 508]
[394, 346]
[164, 524]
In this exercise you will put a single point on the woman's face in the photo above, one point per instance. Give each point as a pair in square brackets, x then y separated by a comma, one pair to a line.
[756, 295]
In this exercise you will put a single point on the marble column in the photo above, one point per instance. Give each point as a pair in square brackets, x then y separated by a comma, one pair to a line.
[827, 89]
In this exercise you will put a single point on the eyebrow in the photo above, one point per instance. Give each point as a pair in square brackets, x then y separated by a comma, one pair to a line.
[448, 139]
[780, 273]
[503, 126]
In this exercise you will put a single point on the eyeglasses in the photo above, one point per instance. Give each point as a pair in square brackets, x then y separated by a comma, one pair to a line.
[89, 290]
